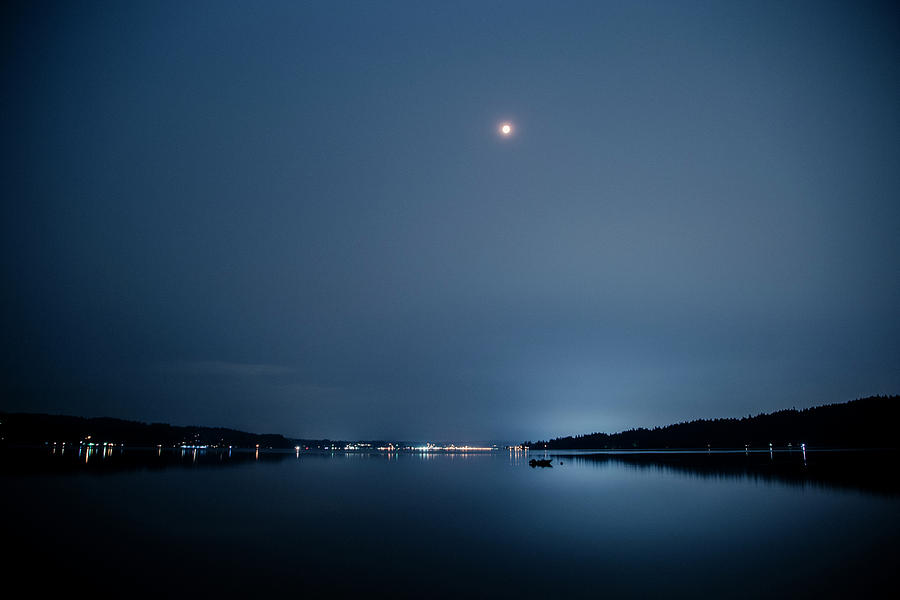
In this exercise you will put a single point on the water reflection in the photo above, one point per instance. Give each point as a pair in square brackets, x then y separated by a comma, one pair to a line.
[107, 459]
[864, 470]
[367, 524]
[517, 455]
[870, 471]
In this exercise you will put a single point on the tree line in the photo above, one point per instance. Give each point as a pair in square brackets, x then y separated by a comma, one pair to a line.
[864, 423]
[32, 428]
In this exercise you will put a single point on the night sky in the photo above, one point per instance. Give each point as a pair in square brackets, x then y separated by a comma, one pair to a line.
[300, 217]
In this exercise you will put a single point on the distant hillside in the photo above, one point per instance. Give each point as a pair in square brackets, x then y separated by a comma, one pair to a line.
[28, 428]
[865, 423]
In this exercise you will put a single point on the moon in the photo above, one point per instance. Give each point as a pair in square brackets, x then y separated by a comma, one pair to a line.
[506, 129]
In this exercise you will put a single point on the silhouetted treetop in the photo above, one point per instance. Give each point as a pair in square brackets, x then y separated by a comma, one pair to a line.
[864, 423]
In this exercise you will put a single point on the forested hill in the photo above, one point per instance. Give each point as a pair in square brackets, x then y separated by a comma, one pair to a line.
[29, 428]
[865, 423]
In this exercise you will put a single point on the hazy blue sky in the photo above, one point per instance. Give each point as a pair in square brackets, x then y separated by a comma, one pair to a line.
[299, 217]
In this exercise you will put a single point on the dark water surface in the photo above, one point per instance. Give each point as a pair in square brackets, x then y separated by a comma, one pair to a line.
[652, 525]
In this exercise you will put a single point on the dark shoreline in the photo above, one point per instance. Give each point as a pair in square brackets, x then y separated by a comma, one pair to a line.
[862, 423]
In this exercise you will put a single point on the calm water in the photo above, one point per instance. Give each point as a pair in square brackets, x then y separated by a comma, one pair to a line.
[478, 525]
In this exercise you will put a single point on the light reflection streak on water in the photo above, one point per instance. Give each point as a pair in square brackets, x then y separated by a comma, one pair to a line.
[517, 455]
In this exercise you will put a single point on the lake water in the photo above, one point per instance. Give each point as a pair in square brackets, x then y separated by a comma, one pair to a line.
[154, 523]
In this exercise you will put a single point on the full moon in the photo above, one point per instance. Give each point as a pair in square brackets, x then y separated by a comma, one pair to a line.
[506, 129]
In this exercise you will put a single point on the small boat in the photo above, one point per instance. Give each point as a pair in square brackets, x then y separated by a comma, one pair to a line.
[540, 462]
